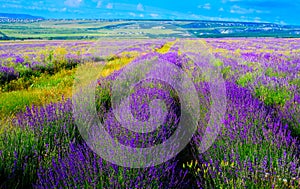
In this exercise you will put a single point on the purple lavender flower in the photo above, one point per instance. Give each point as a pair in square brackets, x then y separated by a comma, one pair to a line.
[19, 60]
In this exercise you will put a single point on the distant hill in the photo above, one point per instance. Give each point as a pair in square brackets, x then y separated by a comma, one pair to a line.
[19, 16]
[68, 29]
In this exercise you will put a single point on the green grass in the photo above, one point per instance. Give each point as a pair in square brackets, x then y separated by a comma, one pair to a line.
[24, 148]
[248, 151]
[295, 82]
[227, 72]
[273, 96]
[43, 90]
[245, 79]
[272, 73]
[47, 88]
[15, 101]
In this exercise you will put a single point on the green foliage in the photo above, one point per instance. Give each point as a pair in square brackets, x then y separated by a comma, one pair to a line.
[62, 79]
[227, 72]
[255, 65]
[103, 99]
[296, 82]
[271, 73]
[226, 170]
[29, 148]
[55, 61]
[19, 159]
[273, 96]
[47, 75]
[245, 79]
[218, 63]
[36, 90]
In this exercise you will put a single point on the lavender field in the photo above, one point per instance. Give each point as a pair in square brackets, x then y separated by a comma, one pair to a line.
[257, 145]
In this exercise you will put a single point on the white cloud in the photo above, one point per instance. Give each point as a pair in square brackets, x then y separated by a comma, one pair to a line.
[140, 7]
[239, 10]
[206, 6]
[154, 15]
[225, 1]
[109, 6]
[257, 19]
[142, 15]
[54, 9]
[282, 22]
[11, 6]
[99, 4]
[132, 14]
[221, 9]
[73, 3]
[242, 18]
[38, 3]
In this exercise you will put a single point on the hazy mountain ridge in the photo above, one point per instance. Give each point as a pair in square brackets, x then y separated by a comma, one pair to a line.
[19, 16]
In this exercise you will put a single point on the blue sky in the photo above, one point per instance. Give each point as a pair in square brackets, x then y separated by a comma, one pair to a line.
[280, 11]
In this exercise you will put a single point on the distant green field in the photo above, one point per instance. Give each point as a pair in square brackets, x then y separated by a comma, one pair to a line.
[94, 29]
[83, 30]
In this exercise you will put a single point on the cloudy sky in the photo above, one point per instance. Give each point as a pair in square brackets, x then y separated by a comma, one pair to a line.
[280, 11]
